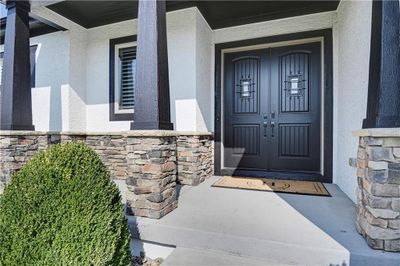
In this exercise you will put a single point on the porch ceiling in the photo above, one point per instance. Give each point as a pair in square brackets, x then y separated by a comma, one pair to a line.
[219, 14]
[36, 28]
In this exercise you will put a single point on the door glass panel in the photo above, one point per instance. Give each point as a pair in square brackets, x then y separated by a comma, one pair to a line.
[246, 85]
[294, 82]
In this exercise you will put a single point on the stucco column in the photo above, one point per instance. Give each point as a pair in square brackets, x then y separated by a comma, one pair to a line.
[16, 101]
[152, 97]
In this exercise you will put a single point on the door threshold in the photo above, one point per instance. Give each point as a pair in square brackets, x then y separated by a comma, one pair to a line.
[304, 176]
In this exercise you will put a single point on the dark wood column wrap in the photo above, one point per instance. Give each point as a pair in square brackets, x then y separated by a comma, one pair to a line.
[152, 98]
[383, 109]
[16, 101]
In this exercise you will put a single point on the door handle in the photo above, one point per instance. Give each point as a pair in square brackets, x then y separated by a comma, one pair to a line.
[265, 128]
[272, 129]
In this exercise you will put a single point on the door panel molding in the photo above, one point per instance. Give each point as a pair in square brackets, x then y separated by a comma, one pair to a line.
[326, 36]
[297, 134]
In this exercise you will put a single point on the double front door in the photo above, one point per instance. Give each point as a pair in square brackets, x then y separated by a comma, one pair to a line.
[272, 109]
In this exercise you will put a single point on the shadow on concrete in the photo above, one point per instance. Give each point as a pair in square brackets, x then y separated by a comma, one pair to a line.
[269, 227]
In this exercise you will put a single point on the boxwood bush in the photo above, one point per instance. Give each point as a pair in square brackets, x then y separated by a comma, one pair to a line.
[62, 208]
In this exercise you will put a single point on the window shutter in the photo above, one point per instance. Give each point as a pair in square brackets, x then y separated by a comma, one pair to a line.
[127, 72]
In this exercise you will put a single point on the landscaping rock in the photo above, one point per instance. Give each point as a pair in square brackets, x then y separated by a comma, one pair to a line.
[142, 260]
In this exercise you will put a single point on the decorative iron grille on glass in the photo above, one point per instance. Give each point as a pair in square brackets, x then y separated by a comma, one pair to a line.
[127, 69]
[295, 85]
[246, 87]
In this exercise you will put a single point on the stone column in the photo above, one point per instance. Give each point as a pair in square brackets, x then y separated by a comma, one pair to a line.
[378, 192]
[151, 178]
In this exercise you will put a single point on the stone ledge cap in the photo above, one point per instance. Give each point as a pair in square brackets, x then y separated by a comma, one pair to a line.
[129, 133]
[23, 133]
[377, 132]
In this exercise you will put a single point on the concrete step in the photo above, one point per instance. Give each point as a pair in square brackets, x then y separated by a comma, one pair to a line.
[192, 257]
[257, 249]
[221, 249]
[287, 228]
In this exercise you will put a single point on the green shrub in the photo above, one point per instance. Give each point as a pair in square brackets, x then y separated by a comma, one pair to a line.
[62, 208]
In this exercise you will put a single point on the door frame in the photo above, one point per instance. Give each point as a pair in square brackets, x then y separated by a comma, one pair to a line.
[325, 36]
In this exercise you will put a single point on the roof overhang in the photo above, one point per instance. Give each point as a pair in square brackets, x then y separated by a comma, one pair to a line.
[36, 28]
[37, 25]
[219, 14]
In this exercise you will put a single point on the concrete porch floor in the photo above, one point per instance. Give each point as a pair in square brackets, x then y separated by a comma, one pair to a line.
[218, 226]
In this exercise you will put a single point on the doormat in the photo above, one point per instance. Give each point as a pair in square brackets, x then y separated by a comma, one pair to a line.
[273, 185]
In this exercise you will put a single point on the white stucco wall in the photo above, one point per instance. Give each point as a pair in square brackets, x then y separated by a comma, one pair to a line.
[75, 106]
[352, 31]
[75, 63]
[182, 68]
[97, 76]
[84, 94]
[190, 94]
[52, 51]
[275, 27]
[51, 79]
[61, 61]
[204, 74]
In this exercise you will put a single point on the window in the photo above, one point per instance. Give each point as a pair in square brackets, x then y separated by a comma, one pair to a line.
[122, 78]
[126, 77]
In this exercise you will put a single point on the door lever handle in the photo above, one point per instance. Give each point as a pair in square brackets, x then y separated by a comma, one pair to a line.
[272, 129]
[265, 128]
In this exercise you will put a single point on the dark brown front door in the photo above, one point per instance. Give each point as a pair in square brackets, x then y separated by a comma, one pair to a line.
[272, 109]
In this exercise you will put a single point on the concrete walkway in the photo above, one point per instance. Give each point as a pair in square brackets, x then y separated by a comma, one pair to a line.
[242, 227]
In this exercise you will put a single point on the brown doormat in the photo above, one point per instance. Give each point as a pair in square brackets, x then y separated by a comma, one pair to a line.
[273, 185]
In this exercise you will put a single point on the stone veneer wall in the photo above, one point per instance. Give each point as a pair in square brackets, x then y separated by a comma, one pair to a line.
[195, 159]
[378, 193]
[152, 176]
[147, 160]
[15, 151]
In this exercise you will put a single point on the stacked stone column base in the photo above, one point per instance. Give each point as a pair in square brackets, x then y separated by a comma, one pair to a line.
[378, 192]
[152, 176]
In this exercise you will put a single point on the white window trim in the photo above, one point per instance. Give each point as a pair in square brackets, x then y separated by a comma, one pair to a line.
[117, 107]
